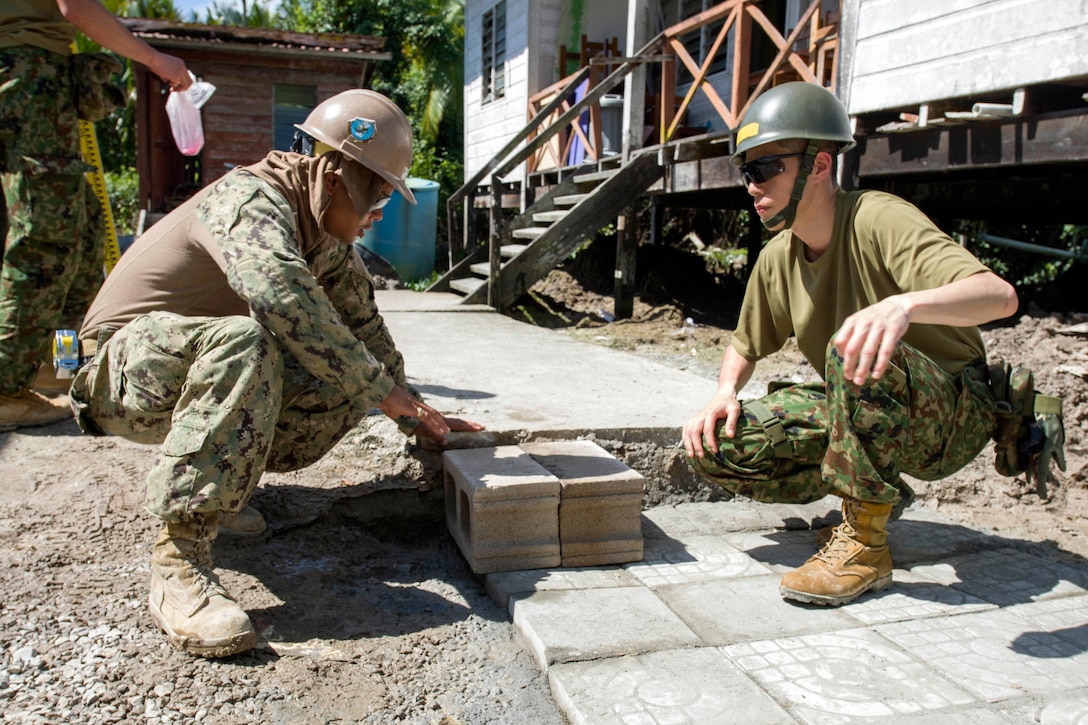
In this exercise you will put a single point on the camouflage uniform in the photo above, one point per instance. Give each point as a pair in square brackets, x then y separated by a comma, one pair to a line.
[53, 254]
[855, 441]
[230, 396]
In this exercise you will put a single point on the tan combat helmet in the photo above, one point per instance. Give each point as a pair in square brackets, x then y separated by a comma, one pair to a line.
[366, 127]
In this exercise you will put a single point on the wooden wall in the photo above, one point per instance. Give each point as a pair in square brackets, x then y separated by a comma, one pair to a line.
[901, 53]
[489, 126]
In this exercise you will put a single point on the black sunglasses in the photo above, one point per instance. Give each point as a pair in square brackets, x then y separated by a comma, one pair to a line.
[765, 168]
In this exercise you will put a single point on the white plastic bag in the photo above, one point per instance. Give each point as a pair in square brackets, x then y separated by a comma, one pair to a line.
[183, 110]
[185, 123]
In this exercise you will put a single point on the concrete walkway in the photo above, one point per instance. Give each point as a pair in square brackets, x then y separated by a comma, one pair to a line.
[977, 628]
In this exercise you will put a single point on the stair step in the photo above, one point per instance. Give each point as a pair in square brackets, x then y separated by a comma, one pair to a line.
[467, 285]
[528, 232]
[595, 176]
[512, 250]
[570, 199]
[549, 216]
[481, 268]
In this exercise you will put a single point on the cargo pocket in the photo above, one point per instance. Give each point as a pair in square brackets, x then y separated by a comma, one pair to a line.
[971, 426]
[185, 438]
[152, 379]
[49, 204]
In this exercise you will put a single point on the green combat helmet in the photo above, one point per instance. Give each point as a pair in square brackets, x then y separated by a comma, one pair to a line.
[794, 110]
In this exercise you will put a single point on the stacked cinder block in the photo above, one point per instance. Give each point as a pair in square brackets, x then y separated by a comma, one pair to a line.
[543, 505]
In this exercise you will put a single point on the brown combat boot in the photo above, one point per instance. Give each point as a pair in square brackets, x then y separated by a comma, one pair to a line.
[854, 560]
[27, 408]
[187, 601]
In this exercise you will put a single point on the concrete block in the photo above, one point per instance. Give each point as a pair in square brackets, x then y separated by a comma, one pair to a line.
[600, 503]
[502, 509]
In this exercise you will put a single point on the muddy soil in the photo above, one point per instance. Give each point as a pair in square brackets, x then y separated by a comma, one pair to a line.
[366, 611]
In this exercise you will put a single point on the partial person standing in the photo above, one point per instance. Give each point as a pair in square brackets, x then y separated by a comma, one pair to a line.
[52, 227]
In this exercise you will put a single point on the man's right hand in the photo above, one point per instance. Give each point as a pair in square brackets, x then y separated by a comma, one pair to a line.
[432, 424]
[703, 426]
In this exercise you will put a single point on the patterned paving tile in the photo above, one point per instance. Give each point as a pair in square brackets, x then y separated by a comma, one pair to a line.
[726, 611]
[1065, 709]
[678, 687]
[913, 596]
[780, 551]
[692, 558]
[847, 677]
[1007, 576]
[1004, 653]
[502, 585]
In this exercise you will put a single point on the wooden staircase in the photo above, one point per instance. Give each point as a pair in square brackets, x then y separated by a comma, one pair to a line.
[549, 231]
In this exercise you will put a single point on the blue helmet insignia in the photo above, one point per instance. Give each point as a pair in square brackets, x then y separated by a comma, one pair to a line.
[363, 129]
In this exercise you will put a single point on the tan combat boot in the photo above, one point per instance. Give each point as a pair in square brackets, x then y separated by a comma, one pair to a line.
[47, 383]
[187, 601]
[27, 408]
[854, 560]
[247, 522]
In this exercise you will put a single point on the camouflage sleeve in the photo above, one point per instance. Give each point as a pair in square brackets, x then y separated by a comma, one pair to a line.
[351, 289]
[255, 229]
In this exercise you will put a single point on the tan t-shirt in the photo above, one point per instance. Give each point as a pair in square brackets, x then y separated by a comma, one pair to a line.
[35, 22]
[881, 246]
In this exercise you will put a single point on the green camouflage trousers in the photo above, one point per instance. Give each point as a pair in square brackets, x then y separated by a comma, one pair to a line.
[222, 397]
[52, 225]
[856, 441]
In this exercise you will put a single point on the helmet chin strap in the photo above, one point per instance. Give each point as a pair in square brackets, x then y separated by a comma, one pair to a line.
[788, 214]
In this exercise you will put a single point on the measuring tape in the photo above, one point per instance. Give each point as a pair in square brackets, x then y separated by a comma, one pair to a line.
[88, 145]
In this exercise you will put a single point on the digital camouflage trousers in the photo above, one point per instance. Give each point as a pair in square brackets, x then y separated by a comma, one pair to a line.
[855, 441]
[51, 222]
[222, 397]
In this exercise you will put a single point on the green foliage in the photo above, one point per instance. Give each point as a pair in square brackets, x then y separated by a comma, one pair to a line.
[158, 9]
[1026, 270]
[731, 260]
[421, 285]
[123, 188]
[246, 14]
[424, 76]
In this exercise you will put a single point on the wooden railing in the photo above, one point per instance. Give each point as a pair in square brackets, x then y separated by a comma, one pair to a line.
[808, 53]
[814, 36]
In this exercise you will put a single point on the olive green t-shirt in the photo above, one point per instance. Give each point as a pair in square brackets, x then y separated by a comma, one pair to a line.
[881, 246]
[35, 22]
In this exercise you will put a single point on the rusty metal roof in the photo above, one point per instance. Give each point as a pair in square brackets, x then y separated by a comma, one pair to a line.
[259, 41]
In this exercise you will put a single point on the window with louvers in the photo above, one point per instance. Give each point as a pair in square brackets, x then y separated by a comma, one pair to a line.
[494, 53]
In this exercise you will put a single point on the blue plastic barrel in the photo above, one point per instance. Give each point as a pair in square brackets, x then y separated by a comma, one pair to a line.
[405, 236]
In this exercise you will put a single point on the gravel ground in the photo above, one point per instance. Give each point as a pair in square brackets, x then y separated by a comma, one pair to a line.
[366, 611]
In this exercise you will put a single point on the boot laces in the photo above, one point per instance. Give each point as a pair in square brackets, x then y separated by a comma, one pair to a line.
[840, 546]
[198, 555]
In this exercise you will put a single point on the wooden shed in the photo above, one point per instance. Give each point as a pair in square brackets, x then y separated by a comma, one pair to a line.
[266, 81]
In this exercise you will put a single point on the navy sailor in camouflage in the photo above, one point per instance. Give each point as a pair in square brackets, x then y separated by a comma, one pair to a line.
[241, 334]
[885, 306]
